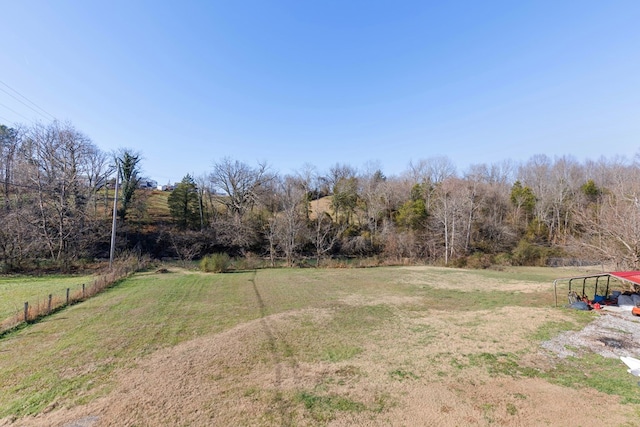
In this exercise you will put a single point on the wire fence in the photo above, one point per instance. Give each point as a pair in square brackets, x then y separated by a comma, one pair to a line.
[51, 303]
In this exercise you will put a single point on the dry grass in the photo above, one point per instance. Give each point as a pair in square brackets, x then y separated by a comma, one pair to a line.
[320, 205]
[345, 347]
[157, 205]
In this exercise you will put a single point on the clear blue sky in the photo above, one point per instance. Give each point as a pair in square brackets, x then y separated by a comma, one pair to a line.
[293, 82]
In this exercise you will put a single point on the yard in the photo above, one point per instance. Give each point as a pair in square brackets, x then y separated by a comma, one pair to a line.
[15, 290]
[285, 347]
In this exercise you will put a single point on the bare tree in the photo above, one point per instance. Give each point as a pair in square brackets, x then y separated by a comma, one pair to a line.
[239, 185]
[307, 178]
[372, 196]
[58, 171]
[289, 221]
[324, 234]
[452, 209]
[430, 173]
[609, 217]
[9, 145]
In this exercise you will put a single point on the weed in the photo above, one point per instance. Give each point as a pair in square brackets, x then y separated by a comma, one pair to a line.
[401, 374]
[383, 402]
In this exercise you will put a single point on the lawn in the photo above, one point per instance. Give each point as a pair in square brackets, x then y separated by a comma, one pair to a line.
[16, 290]
[310, 347]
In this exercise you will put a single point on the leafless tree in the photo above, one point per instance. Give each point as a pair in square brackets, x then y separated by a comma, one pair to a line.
[238, 184]
[324, 234]
[452, 209]
[609, 219]
[374, 203]
[289, 220]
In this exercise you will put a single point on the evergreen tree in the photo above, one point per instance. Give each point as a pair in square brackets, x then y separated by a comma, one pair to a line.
[130, 177]
[184, 203]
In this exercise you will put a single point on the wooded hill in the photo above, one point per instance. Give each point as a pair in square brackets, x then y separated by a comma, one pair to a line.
[57, 199]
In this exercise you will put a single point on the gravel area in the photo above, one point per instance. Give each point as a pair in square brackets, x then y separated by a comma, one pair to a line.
[612, 334]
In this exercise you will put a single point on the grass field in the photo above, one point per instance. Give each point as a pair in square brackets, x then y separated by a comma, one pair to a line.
[311, 347]
[16, 290]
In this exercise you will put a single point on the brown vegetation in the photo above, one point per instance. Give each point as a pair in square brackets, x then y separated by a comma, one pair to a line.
[365, 360]
[57, 208]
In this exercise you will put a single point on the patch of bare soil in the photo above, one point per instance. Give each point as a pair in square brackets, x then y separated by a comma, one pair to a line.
[416, 370]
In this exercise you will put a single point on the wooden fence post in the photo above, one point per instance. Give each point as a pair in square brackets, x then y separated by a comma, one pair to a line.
[49, 305]
[67, 296]
[26, 311]
[83, 291]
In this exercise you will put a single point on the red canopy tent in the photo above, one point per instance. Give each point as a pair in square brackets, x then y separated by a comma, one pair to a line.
[631, 277]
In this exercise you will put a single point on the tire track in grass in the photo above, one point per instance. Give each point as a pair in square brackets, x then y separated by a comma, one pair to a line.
[284, 406]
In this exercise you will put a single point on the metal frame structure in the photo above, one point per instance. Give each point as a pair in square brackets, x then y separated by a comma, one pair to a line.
[632, 277]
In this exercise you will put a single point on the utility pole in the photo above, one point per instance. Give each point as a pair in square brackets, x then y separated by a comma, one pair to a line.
[115, 213]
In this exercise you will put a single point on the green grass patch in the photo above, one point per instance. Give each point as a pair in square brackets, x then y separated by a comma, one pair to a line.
[551, 329]
[501, 364]
[402, 374]
[324, 408]
[603, 374]
[85, 342]
[444, 299]
[16, 290]
[335, 339]
[340, 353]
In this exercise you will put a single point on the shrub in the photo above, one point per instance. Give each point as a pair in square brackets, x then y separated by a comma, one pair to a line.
[215, 263]
[479, 260]
[530, 254]
[503, 259]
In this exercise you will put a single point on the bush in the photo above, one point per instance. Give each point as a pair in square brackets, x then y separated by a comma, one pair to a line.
[250, 261]
[479, 261]
[215, 263]
[530, 254]
[502, 259]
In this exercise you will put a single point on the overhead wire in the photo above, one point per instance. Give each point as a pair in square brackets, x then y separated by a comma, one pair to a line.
[25, 104]
[7, 120]
[18, 185]
[32, 187]
[26, 99]
[14, 111]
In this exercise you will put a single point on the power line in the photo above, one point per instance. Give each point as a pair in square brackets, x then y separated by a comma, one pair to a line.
[14, 111]
[7, 120]
[24, 103]
[19, 185]
[35, 188]
[26, 99]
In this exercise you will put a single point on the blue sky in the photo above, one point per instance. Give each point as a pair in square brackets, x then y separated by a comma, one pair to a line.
[187, 83]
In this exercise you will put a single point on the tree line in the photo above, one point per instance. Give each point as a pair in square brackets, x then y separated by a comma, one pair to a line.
[57, 198]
